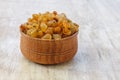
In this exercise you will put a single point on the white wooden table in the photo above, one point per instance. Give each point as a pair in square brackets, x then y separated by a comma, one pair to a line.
[98, 56]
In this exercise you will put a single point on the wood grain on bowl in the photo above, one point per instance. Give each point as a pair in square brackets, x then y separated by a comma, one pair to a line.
[48, 51]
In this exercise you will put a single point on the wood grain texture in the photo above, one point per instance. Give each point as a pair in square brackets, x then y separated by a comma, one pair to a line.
[49, 51]
[98, 56]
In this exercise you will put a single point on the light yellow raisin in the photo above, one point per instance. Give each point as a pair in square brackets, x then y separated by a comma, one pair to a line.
[49, 30]
[47, 37]
[43, 27]
[32, 32]
[57, 36]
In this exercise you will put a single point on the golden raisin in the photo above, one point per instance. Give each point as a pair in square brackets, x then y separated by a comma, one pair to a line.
[43, 27]
[49, 25]
[57, 29]
[47, 37]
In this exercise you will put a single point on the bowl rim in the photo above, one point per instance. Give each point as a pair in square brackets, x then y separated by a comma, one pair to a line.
[23, 34]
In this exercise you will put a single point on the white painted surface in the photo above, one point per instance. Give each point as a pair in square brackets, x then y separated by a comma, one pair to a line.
[98, 56]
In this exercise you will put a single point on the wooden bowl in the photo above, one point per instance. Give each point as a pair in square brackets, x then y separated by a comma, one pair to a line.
[48, 51]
